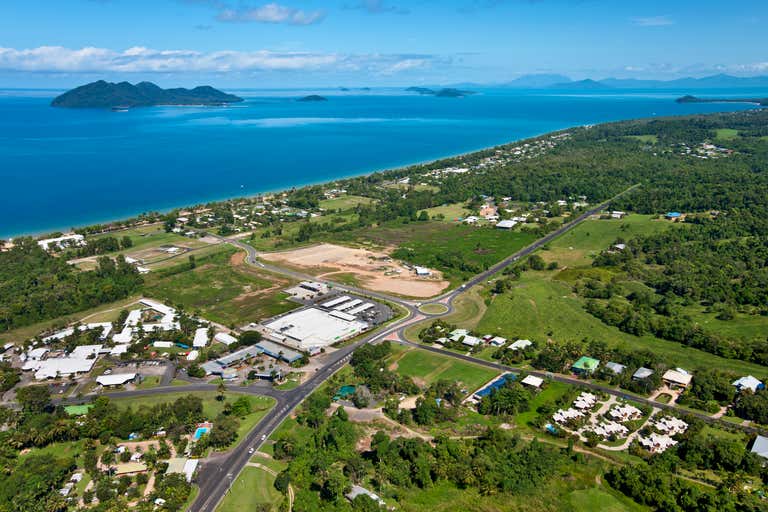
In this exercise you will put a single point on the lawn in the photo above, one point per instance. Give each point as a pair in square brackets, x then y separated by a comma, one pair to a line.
[550, 394]
[212, 407]
[427, 367]
[224, 290]
[603, 500]
[433, 309]
[254, 486]
[726, 134]
[741, 326]
[451, 212]
[652, 139]
[344, 202]
[580, 245]
[539, 308]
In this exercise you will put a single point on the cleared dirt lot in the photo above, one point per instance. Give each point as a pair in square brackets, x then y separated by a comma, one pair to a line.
[372, 269]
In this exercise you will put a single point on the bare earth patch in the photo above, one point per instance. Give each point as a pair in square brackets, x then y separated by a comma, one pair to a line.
[373, 269]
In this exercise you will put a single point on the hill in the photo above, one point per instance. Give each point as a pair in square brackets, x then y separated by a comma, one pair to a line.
[587, 84]
[313, 97]
[104, 94]
[440, 93]
[763, 102]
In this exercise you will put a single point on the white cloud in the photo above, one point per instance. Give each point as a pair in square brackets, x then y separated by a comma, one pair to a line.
[653, 21]
[271, 13]
[139, 59]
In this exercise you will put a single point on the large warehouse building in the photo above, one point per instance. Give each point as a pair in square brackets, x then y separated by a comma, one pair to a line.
[312, 327]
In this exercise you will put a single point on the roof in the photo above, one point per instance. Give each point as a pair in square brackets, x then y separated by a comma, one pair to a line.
[61, 366]
[223, 337]
[506, 224]
[532, 380]
[615, 367]
[586, 363]
[642, 373]
[130, 467]
[119, 349]
[311, 327]
[356, 491]
[182, 466]
[760, 447]
[677, 377]
[521, 344]
[748, 382]
[116, 379]
[201, 337]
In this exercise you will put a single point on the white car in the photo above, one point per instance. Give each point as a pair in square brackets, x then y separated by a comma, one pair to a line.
[250, 450]
[263, 437]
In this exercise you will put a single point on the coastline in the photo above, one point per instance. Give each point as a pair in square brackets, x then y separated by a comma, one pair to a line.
[321, 181]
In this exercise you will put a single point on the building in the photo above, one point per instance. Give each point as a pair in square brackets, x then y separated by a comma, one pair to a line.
[182, 466]
[533, 381]
[585, 365]
[116, 379]
[62, 242]
[313, 327]
[749, 382]
[521, 344]
[422, 271]
[677, 378]
[226, 339]
[673, 215]
[760, 447]
[616, 368]
[358, 491]
[498, 341]
[506, 224]
[201, 337]
[642, 373]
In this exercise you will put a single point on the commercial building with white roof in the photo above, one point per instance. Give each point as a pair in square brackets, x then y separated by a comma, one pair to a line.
[312, 327]
[201, 337]
[116, 379]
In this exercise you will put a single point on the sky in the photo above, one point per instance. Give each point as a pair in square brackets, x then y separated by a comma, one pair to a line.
[314, 43]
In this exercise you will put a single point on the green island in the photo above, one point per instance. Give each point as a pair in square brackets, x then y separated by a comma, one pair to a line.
[574, 321]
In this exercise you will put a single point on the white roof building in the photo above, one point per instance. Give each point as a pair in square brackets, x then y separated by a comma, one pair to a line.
[162, 344]
[423, 271]
[656, 443]
[313, 327]
[115, 379]
[193, 355]
[521, 344]
[533, 381]
[201, 337]
[677, 377]
[71, 240]
[226, 339]
[62, 367]
[748, 382]
[498, 341]
[119, 349]
[506, 224]
[760, 447]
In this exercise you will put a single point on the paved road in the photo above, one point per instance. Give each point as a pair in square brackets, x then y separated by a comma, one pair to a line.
[216, 476]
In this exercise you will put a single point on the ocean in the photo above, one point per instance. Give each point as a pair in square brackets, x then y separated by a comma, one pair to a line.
[61, 168]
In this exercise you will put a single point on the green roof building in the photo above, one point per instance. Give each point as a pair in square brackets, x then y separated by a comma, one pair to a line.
[585, 365]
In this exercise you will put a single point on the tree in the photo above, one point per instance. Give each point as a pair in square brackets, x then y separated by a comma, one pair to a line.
[221, 389]
[34, 399]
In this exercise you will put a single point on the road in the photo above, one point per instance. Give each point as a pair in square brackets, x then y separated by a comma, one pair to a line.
[217, 475]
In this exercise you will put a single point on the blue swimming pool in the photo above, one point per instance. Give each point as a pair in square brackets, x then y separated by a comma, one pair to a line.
[200, 432]
[487, 390]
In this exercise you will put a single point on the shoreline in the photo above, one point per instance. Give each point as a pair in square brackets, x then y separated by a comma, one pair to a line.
[279, 190]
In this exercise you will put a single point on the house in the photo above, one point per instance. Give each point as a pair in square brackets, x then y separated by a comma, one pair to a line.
[471, 341]
[616, 368]
[521, 344]
[358, 491]
[618, 215]
[193, 355]
[671, 425]
[677, 378]
[760, 447]
[656, 443]
[497, 341]
[642, 373]
[471, 220]
[749, 382]
[585, 401]
[585, 365]
[182, 466]
[625, 412]
[226, 339]
[533, 381]
[506, 224]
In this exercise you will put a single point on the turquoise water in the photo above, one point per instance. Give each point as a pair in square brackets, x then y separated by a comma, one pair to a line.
[200, 432]
[61, 168]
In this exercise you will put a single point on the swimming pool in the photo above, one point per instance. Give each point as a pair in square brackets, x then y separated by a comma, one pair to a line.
[200, 432]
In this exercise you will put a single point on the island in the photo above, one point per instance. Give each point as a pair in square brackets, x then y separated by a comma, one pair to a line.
[440, 93]
[313, 98]
[124, 95]
[763, 102]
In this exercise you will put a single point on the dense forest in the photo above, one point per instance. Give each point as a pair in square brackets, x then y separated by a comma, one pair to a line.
[36, 286]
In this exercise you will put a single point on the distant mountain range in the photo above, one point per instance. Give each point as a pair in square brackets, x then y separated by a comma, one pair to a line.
[553, 81]
[122, 95]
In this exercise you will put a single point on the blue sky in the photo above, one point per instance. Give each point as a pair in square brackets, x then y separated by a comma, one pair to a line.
[303, 43]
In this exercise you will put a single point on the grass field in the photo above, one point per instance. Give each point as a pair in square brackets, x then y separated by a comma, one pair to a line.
[253, 487]
[742, 326]
[433, 309]
[603, 500]
[726, 134]
[580, 245]
[652, 139]
[550, 394]
[427, 368]
[539, 308]
[344, 202]
[224, 291]
[451, 212]
[260, 405]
